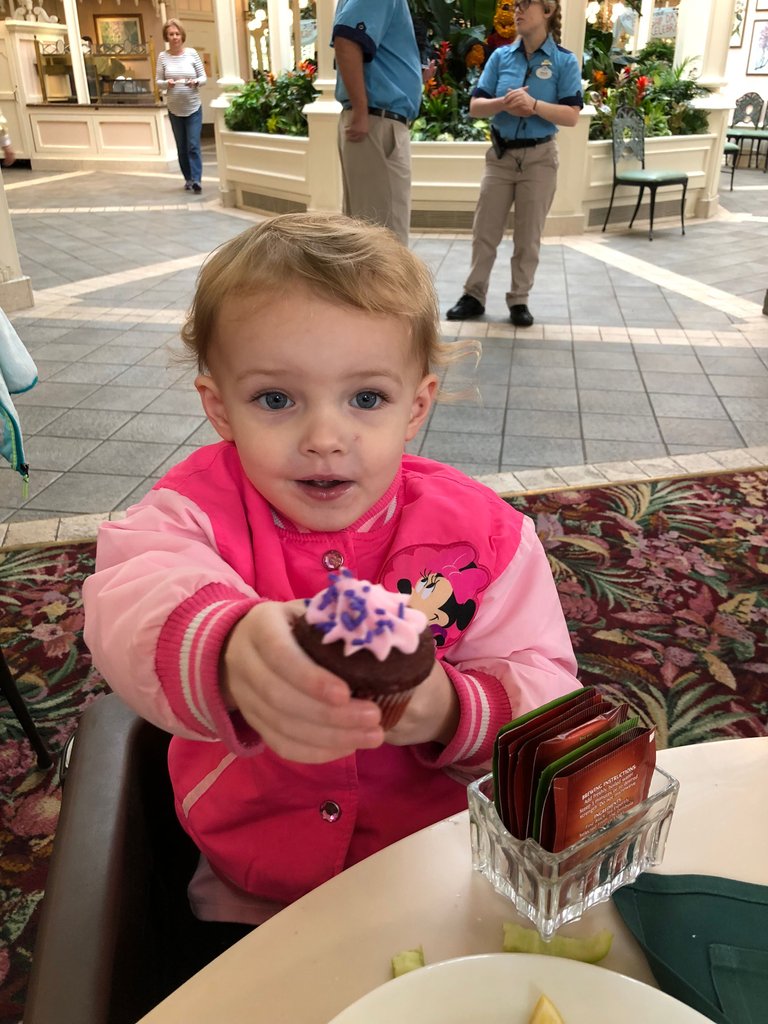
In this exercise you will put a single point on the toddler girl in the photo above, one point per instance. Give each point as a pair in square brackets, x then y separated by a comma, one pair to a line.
[316, 338]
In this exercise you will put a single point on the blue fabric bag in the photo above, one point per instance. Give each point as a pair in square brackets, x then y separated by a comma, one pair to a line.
[18, 373]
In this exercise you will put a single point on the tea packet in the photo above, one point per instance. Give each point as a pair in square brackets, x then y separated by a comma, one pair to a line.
[566, 768]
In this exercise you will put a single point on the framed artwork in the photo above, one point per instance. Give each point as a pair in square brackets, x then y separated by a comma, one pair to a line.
[739, 17]
[761, 5]
[119, 30]
[757, 62]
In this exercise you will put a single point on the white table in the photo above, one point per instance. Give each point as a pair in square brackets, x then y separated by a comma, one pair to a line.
[335, 944]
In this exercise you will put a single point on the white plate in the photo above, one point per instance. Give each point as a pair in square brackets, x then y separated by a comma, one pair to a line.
[502, 988]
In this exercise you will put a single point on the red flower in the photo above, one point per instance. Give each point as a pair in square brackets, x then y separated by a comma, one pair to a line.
[642, 84]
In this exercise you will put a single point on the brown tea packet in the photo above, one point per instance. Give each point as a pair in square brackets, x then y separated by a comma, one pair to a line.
[589, 790]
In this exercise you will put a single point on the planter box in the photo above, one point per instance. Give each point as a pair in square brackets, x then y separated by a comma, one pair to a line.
[267, 173]
[270, 173]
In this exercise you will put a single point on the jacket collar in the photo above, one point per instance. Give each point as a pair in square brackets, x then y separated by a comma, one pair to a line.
[378, 516]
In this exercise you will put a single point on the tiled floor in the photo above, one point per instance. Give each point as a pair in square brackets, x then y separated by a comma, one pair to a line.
[646, 357]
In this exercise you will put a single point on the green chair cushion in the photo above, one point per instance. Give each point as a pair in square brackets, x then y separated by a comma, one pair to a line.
[747, 133]
[646, 177]
[731, 147]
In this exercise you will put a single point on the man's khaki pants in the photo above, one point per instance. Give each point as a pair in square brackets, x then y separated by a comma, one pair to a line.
[526, 178]
[376, 174]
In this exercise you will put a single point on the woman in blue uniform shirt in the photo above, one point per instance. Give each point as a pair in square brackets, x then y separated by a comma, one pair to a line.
[528, 89]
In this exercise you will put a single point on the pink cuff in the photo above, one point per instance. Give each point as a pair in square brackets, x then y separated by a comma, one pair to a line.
[187, 664]
[484, 709]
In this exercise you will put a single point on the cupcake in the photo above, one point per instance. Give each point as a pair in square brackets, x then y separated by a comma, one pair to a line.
[371, 639]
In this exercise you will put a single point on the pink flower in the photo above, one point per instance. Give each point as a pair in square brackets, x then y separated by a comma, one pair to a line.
[16, 758]
[576, 606]
[36, 815]
[56, 641]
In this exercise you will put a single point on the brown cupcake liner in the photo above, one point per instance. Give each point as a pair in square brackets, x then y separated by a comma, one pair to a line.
[392, 705]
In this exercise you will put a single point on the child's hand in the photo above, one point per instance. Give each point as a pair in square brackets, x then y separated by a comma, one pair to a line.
[301, 711]
[432, 714]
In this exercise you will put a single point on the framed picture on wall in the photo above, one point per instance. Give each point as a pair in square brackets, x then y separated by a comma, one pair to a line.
[739, 17]
[761, 5]
[119, 30]
[757, 62]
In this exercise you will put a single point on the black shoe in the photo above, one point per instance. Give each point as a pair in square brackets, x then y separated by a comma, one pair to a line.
[467, 307]
[521, 316]
[196, 186]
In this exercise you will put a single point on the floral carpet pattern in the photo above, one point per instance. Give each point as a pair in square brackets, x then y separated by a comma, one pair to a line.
[664, 585]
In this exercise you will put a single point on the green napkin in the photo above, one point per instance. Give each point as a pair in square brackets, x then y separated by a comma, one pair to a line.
[706, 941]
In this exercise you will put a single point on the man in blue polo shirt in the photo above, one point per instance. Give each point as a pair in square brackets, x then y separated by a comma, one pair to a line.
[379, 84]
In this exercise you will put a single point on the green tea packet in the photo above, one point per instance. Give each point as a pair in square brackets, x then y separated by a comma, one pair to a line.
[511, 734]
[546, 747]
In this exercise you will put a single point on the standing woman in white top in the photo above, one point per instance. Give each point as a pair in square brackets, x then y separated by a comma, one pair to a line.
[180, 72]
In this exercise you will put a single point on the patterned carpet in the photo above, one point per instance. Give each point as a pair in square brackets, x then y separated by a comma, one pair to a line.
[664, 585]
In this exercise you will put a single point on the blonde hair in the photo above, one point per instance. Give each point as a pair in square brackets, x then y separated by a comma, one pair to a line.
[556, 18]
[174, 23]
[339, 259]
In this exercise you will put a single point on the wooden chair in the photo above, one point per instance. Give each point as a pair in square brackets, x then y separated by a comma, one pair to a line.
[116, 932]
[629, 140]
[11, 693]
[745, 126]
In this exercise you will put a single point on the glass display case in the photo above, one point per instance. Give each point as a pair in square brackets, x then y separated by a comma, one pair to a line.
[116, 73]
[120, 73]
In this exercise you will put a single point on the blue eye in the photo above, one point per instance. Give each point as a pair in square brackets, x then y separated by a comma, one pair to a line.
[368, 399]
[273, 400]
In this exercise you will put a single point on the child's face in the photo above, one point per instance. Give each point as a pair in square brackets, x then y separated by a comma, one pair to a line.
[319, 399]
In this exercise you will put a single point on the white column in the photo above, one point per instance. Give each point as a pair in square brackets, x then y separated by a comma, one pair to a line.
[72, 22]
[704, 34]
[644, 26]
[324, 174]
[15, 288]
[280, 54]
[567, 214]
[574, 24]
[225, 20]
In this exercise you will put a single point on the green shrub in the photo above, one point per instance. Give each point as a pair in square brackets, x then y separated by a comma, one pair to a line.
[274, 104]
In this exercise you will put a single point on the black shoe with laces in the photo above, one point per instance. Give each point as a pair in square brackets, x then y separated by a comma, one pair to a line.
[467, 307]
[521, 316]
[196, 186]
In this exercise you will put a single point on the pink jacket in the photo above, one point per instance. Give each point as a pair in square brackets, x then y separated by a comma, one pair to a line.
[203, 547]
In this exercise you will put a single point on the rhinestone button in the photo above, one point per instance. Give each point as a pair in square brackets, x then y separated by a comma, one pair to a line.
[333, 560]
[330, 811]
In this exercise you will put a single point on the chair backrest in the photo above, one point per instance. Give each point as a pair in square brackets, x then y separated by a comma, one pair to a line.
[747, 110]
[116, 933]
[628, 135]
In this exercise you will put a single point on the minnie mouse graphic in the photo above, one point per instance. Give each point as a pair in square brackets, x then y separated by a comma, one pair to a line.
[444, 581]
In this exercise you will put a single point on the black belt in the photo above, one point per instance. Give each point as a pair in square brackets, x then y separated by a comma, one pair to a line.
[378, 112]
[523, 143]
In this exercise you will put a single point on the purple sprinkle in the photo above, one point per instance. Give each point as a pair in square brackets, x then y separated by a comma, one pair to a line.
[306, 602]
[358, 642]
[380, 611]
[366, 588]
[401, 611]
